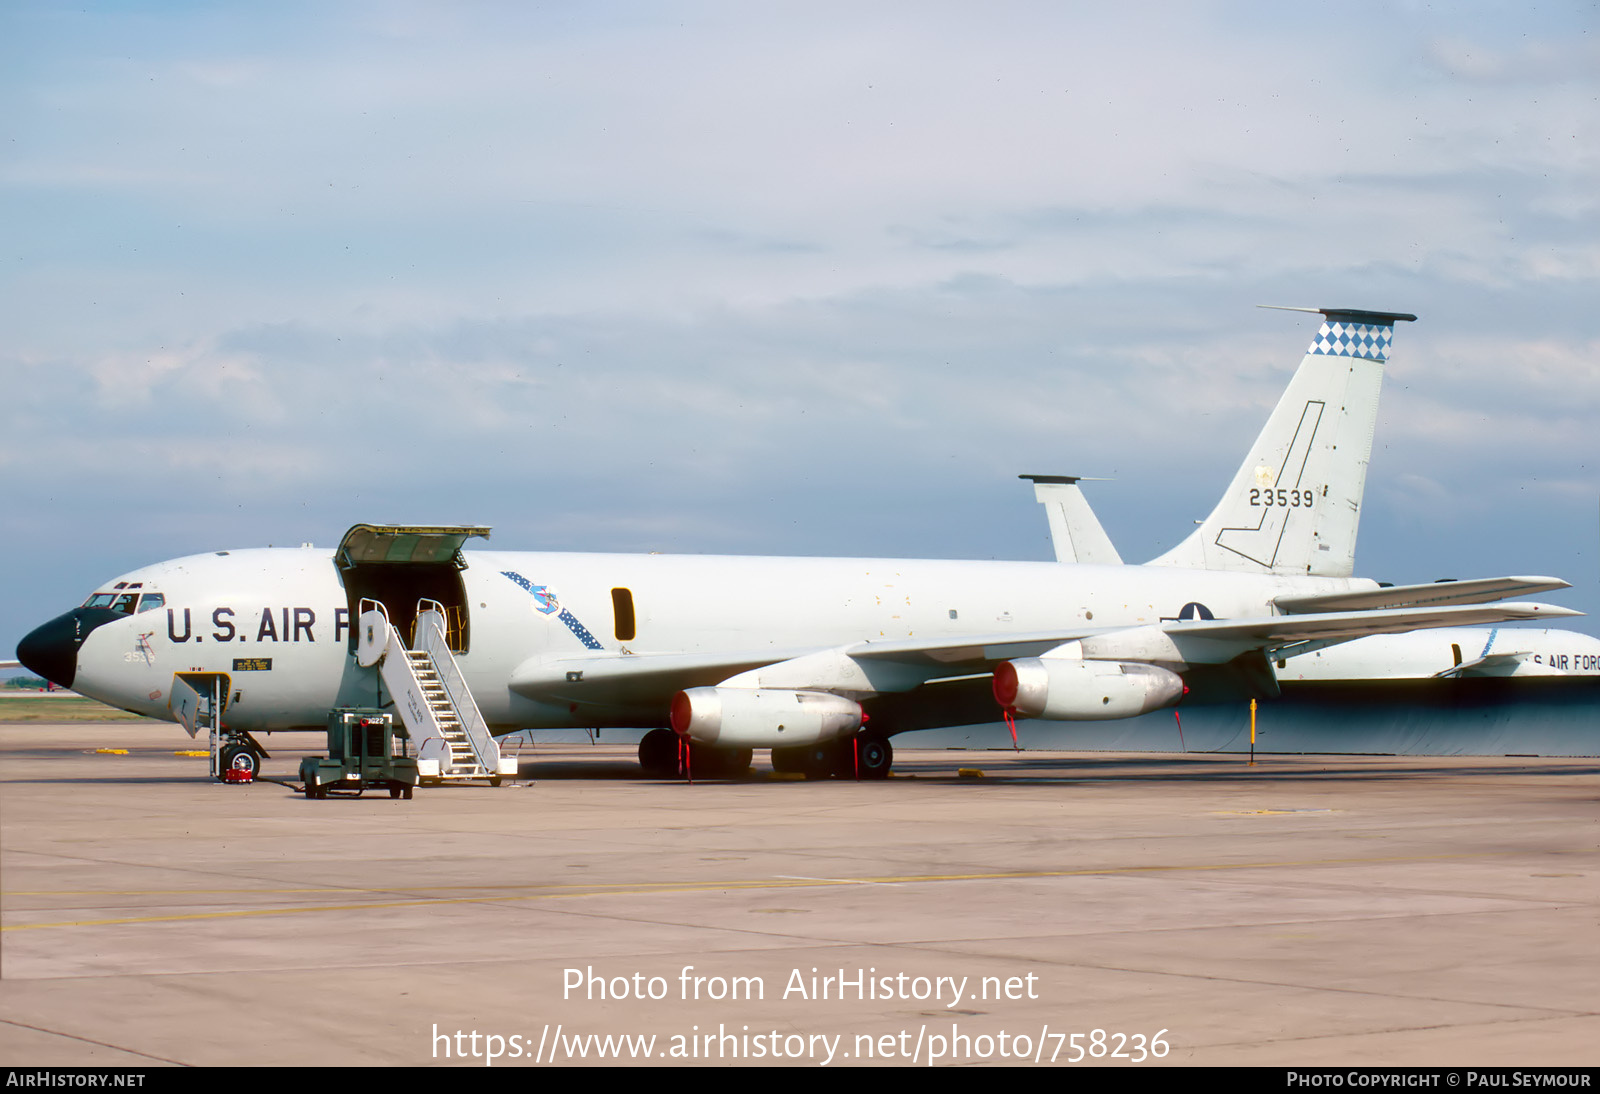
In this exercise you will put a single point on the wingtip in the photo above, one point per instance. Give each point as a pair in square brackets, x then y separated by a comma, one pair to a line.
[1532, 610]
[1543, 582]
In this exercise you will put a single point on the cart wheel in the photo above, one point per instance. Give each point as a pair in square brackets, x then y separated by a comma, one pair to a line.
[394, 791]
[406, 793]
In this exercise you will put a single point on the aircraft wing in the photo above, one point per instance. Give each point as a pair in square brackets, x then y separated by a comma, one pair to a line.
[1477, 591]
[1194, 641]
[645, 682]
[1273, 632]
[632, 680]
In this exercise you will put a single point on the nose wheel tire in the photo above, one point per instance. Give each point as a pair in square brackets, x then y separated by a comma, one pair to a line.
[241, 758]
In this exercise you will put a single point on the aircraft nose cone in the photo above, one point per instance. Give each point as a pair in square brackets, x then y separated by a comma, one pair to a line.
[52, 650]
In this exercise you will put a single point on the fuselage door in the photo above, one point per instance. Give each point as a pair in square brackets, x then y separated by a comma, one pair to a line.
[406, 543]
[400, 564]
[199, 699]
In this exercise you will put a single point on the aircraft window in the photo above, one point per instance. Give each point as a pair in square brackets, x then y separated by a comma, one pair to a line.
[100, 600]
[151, 601]
[125, 603]
[622, 608]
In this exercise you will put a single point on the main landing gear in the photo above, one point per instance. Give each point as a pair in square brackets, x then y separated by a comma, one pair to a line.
[659, 755]
[867, 756]
[874, 756]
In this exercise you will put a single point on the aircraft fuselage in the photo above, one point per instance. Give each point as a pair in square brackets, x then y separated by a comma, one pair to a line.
[277, 622]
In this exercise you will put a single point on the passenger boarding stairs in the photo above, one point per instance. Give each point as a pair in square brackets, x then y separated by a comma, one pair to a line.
[430, 694]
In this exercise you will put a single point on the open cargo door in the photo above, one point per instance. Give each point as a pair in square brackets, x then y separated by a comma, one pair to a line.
[401, 564]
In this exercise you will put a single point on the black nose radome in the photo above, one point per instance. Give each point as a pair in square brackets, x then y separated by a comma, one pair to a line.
[52, 650]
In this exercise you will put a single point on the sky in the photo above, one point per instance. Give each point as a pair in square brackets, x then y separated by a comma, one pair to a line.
[783, 278]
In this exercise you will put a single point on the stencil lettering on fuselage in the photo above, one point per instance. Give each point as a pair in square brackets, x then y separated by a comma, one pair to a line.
[275, 624]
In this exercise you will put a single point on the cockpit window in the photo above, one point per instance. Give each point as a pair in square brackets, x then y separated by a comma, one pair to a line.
[151, 601]
[123, 602]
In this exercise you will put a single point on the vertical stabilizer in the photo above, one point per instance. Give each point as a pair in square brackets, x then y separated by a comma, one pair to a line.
[1295, 503]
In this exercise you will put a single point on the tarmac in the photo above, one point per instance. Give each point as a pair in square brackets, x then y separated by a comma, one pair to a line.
[979, 908]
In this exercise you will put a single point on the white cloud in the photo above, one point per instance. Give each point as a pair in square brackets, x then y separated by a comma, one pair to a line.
[683, 274]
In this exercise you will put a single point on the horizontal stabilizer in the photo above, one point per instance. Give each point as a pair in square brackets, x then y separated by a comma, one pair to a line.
[1481, 665]
[1350, 315]
[1477, 591]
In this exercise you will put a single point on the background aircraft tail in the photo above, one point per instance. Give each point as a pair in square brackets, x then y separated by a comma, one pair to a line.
[1295, 503]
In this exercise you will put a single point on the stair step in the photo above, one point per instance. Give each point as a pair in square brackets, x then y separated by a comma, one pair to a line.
[457, 727]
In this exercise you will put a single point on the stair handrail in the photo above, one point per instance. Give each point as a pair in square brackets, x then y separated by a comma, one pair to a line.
[431, 636]
[365, 650]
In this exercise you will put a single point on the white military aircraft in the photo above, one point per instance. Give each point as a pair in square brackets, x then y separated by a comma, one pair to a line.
[1077, 536]
[819, 660]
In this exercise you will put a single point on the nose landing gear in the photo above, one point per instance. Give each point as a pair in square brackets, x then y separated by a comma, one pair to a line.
[239, 763]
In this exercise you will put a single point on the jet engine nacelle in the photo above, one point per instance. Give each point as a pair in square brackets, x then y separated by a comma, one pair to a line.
[762, 717]
[1082, 691]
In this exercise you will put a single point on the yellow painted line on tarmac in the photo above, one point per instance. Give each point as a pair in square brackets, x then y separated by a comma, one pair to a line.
[648, 888]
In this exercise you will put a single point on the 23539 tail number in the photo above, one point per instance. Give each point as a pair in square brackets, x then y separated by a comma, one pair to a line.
[1288, 499]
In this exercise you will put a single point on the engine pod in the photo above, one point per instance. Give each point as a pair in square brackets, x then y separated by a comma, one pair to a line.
[762, 717]
[1084, 691]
